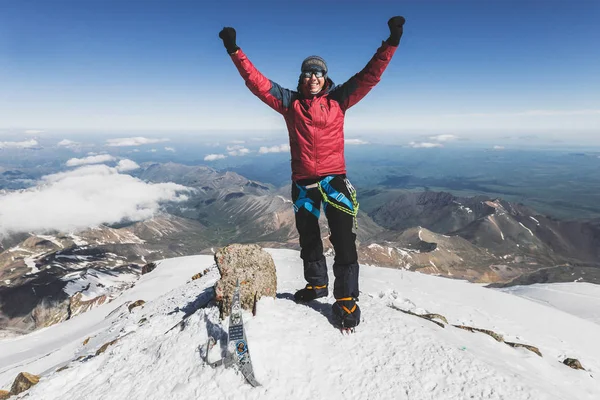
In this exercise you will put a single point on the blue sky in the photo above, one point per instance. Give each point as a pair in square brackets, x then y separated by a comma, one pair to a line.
[462, 66]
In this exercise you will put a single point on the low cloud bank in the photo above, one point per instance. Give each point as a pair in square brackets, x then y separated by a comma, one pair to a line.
[274, 149]
[27, 144]
[133, 141]
[84, 197]
[98, 159]
[424, 145]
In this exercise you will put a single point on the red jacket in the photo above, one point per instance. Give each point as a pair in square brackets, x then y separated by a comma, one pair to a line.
[316, 123]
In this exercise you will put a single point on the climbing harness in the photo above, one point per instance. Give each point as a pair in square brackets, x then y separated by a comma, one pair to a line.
[328, 192]
[304, 201]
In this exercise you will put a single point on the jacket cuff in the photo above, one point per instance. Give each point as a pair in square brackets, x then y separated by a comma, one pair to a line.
[233, 51]
[394, 42]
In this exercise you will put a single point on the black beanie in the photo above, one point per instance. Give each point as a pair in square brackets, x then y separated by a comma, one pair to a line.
[314, 62]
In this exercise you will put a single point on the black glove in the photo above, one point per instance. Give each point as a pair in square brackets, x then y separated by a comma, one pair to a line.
[228, 36]
[395, 24]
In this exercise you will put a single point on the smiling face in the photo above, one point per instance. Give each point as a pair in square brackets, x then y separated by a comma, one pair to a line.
[313, 81]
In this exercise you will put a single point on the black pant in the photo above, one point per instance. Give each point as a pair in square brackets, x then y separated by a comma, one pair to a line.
[345, 267]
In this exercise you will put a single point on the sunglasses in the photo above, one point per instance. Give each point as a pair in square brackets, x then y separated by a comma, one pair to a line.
[318, 73]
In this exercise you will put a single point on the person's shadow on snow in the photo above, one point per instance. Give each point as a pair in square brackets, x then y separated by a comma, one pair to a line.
[322, 308]
[201, 301]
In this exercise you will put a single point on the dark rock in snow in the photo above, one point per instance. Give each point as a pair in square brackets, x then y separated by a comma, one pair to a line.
[573, 363]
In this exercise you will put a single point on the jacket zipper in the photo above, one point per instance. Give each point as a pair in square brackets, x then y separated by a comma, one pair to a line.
[321, 122]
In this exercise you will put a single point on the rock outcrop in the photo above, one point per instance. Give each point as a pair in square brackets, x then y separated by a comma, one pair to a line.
[148, 268]
[105, 346]
[493, 334]
[135, 304]
[573, 363]
[438, 319]
[255, 270]
[22, 382]
[525, 346]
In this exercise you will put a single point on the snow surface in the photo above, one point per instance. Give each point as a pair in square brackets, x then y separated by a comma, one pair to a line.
[30, 262]
[577, 298]
[284, 199]
[528, 230]
[78, 240]
[52, 239]
[297, 354]
[93, 283]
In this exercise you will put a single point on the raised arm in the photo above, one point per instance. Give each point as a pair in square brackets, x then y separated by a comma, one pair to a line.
[357, 87]
[266, 90]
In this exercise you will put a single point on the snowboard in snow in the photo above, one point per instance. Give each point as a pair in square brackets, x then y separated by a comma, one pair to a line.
[237, 344]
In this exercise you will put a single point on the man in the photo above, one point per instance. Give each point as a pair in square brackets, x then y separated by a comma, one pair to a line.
[314, 115]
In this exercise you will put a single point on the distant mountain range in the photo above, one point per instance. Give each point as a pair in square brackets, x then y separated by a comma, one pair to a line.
[496, 241]
[46, 279]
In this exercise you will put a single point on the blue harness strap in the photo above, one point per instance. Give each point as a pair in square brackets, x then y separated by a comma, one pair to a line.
[304, 201]
[334, 194]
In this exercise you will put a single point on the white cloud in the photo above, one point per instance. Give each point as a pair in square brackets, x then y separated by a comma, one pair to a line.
[443, 138]
[133, 141]
[424, 145]
[241, 152]
[355, 141]
[68, 143]
[170, 149]
[237, 141]
[152, 151]
[27, 144]
[75, 162]
[274, 149]
[237, 150]
[498, 147]
[213, 157]
[33, 131]
[84, 197]
[126, 165]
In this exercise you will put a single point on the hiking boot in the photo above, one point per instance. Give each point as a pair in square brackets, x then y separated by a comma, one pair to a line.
[346, 312]
[310, 293]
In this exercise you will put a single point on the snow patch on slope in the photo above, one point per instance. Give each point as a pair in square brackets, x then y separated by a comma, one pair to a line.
[576, 298]
[93, 283]
[52, 239]
[528, 230]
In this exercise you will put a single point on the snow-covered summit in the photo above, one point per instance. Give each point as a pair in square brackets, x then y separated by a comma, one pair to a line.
[296, 352]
